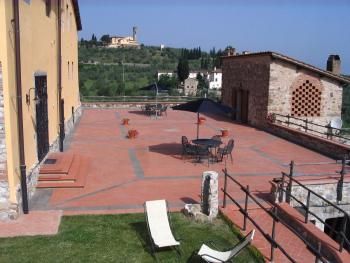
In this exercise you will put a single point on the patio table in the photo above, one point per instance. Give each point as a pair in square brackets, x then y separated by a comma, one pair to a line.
[209, 143]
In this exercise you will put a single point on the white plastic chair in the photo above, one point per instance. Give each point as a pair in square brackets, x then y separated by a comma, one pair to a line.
[158, 225]
[213, 256]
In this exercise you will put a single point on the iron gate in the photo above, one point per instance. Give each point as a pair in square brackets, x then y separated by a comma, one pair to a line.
[42, 122]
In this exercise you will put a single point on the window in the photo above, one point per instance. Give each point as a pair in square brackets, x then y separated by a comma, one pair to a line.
[306, 99]
[68, 71]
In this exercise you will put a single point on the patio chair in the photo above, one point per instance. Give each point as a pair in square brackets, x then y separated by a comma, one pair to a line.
[226, 150]
[216, 137]
[163, 110]
[214, 256]
[157, 217]
[188, 149]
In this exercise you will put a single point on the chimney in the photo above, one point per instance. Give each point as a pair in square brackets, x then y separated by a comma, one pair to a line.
[134, 29]
[333, 64]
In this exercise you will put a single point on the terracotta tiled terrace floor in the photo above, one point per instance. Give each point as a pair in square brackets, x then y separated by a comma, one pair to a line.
[124, 173]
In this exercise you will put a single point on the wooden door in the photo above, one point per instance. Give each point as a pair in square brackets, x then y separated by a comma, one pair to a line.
[244, 106]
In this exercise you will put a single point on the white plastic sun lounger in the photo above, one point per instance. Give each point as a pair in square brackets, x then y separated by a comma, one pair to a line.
[213, 256]
[158, 225]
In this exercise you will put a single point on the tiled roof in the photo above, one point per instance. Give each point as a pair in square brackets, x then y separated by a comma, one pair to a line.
[296, 62]
[77, 14]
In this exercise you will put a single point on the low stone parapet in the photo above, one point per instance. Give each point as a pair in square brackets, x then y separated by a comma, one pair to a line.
[325, 146]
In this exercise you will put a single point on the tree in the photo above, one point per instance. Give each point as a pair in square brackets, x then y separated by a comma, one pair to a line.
[105, 39]
[202, 85]
[183, 70]
[167, 81]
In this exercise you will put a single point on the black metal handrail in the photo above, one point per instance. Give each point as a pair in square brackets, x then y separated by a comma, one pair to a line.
[273, 214]
[288, 191]
[307, 125]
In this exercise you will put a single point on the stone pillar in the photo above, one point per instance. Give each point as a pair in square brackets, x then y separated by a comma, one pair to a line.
[210, 194]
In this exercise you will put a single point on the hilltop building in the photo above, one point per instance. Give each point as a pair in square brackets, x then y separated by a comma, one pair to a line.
[190, 86]
[124, 42]
[213, 77]
[258, 84]
[39, 91]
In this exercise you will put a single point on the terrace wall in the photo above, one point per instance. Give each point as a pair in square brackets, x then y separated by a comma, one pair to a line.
[316, 143]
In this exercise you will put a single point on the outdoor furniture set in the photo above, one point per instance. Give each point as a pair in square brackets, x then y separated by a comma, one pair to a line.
[161, 235]
[155, 109]
[208, 148]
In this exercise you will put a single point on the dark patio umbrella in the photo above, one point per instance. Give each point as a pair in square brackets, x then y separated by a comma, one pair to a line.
[203, 106]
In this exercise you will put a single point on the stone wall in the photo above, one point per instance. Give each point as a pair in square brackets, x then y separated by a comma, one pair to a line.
[248, 73]
[123, 105]
[285, 78]
[329, 148]
[328, 190]
[4, 186]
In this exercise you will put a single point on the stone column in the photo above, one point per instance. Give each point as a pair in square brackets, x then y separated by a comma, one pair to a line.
[210, 194]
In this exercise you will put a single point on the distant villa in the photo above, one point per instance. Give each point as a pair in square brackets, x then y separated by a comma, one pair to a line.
[124, 42]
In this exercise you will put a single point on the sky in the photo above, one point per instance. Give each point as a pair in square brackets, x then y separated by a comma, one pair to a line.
[307, 30]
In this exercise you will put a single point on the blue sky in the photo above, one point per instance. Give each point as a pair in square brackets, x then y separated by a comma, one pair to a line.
[308, 30]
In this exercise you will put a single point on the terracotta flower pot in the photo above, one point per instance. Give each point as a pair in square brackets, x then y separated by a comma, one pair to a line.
[125, 121]
[132, 134]
[224, 132]
[201, 120]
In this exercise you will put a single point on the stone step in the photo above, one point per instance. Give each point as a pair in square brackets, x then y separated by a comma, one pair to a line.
[60, 177]
[75, 179]
[61, 163]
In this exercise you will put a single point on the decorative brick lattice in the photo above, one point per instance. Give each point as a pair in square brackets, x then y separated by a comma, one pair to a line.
[306, 100]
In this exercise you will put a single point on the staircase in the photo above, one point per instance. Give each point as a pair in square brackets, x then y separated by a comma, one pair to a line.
[63, 170]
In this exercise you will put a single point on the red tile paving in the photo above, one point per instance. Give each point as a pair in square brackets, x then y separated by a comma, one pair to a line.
[125, 173]
[292, 244]
[32, 224]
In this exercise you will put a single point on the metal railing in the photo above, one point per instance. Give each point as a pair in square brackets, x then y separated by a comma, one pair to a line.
[159, 98]
[308, 126]
[273, 213]
[285, 186]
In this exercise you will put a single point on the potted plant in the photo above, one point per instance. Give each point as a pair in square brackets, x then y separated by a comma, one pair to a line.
[201, 120]
[125, 121]
[132, 133]
[224, 132]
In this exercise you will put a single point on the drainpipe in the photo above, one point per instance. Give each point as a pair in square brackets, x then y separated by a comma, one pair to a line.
[59, 46]
[18, 73]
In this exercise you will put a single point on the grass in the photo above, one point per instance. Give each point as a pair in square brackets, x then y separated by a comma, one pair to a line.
[117, 238]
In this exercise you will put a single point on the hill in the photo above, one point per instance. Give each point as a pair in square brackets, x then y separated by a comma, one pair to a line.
[102, 70]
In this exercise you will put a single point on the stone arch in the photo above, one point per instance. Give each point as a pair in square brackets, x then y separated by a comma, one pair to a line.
[306, 97]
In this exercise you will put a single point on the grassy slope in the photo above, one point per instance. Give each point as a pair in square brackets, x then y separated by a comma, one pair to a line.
[102, 79]
[115, 238]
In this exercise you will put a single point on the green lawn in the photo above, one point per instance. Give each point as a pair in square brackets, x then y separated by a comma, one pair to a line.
[116, 238]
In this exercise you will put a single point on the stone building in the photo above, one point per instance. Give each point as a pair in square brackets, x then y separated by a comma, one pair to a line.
[258, 84]
[39, 91]
[124, 42]
[190, 87]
